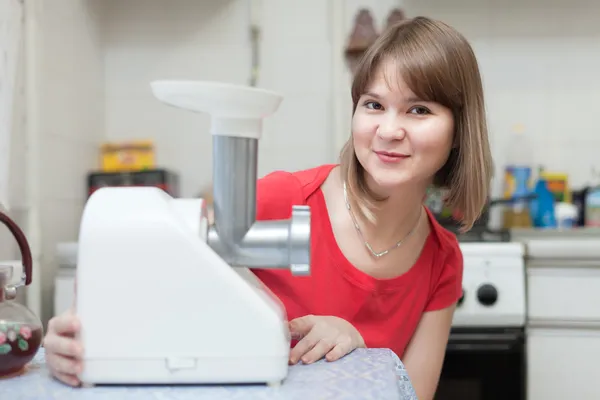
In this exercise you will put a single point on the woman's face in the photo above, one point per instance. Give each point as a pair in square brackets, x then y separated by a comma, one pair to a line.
[398, 138]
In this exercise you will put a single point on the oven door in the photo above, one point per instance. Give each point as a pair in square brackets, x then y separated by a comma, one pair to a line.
[484, 364]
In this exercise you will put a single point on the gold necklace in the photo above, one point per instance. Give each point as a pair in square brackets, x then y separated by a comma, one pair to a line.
[367, 245]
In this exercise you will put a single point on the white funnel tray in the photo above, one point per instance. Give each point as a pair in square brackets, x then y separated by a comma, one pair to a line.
[220, 100]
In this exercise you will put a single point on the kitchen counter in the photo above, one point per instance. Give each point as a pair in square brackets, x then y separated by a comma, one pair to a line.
[578, 247]
[539, 233]
[552, 247]
[363, 374]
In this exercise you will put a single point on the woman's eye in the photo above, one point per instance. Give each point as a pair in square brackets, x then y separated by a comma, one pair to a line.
[373, 105]
[420, 110]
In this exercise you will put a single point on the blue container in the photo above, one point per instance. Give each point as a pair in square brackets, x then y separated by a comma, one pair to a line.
[543, 212]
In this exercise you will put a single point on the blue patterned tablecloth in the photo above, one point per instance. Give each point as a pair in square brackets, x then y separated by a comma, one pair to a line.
[363, 374]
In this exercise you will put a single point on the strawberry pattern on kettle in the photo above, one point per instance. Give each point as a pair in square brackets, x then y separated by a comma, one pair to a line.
[13, 334]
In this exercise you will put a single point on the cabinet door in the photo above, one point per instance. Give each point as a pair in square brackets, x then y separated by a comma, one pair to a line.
[563, 364]
[64, 292]
[563, 293]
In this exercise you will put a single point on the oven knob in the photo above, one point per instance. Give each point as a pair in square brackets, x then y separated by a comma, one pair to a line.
[487, 294]
[462, 298]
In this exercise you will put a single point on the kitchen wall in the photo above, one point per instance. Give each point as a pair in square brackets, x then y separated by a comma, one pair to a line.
[207, 40]
[17, 150]
[96, 58]
[68, 112]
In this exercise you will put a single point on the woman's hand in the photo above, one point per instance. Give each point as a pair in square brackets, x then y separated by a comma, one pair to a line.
[63, 351]
[322, 336]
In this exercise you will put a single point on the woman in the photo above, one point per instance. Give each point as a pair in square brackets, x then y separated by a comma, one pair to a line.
[384, 272]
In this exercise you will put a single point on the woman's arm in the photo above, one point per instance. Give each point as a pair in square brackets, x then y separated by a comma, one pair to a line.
[424, 355]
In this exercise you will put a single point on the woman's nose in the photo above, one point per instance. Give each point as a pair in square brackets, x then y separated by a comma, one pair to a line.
[391, 130]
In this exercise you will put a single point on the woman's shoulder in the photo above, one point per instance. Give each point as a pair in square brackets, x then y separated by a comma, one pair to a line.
[278, 191]
[448, 247]
[447, 269]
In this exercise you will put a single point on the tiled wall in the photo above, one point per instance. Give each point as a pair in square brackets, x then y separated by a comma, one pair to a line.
[71, 121]
[539, 59]
[146, 41]
[17, 172]
[210, 41]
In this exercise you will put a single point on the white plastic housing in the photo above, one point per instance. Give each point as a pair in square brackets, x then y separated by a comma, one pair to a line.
[157, 305]
[236, 110]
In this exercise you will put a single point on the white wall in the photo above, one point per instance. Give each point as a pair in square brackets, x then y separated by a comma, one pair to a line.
[148, 40]
[17, 149]
[70, 74]
[209, 40]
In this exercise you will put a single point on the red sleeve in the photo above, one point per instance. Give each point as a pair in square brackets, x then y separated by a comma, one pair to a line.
[276, 193]
[447, 289]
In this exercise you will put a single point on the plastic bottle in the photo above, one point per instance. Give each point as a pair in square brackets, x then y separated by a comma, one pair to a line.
[517, 179]
[592, 202]
[566, 215]
[544, 216]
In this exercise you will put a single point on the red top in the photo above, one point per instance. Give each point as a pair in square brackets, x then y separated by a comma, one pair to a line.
[385, 311]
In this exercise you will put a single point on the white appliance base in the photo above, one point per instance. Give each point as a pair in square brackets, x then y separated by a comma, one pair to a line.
[189, 370]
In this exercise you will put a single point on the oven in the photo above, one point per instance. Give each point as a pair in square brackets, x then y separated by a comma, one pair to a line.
[484, 364]
[486, 352]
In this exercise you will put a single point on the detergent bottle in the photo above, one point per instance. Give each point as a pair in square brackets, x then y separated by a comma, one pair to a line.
[544, 211]
[517, 178]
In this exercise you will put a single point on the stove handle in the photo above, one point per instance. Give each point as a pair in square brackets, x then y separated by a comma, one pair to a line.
[479, 347]
[473, 342]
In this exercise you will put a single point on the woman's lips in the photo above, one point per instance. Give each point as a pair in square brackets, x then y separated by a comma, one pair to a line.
[389, 157]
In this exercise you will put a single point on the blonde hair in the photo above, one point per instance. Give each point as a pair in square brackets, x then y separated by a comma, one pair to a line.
[438, 64]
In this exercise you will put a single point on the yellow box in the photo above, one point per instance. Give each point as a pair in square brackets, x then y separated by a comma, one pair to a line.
[137, 155]
[558, 184]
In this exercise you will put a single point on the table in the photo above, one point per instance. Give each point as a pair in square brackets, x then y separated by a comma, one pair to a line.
[363, 374]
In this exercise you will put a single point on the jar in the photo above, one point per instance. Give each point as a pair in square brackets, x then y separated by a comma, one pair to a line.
[21, 330]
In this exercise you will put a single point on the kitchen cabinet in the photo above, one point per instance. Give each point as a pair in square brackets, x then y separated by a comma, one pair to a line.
[64, 282]
[563, 364]
[64, 290]
[563, 327]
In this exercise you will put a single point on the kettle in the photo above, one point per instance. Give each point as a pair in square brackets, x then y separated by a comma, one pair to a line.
[21, 331]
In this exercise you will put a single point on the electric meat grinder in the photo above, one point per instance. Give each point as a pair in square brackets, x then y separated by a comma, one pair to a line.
[164, 298]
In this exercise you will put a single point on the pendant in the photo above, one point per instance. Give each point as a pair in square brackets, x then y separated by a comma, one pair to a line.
[374, 253]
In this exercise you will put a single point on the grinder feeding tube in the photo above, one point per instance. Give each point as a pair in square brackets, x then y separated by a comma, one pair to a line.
[158, 296]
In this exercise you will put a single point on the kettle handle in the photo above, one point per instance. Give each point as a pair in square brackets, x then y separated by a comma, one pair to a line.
[19, 236]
